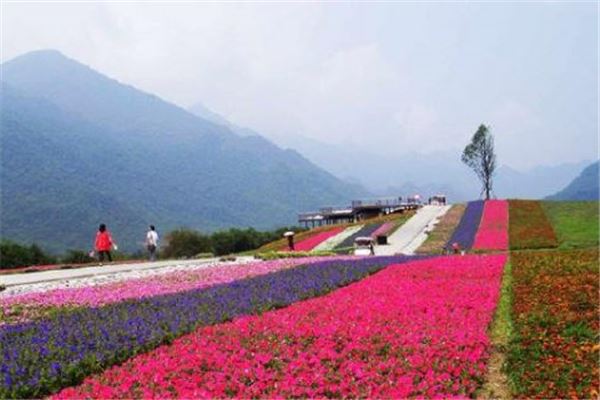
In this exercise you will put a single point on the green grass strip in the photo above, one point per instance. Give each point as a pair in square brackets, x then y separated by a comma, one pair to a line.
[575, 222]
[502, 326]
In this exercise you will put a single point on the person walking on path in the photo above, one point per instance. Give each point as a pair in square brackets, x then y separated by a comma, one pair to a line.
[104, 243]
[152, 242]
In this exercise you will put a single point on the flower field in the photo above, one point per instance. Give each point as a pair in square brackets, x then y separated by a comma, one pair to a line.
[41, 356]
[493, 228]
[336, 326]
[416, 329]
[464, 234]
[554, 350]
[529, 226]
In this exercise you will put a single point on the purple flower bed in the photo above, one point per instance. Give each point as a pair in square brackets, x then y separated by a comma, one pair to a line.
[43, 356]
[464, 234]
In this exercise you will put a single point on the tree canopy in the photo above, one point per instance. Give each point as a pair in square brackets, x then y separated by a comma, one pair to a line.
[479, 155]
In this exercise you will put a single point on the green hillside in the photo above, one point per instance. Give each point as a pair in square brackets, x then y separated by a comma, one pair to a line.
[584, 187]
[79, 148]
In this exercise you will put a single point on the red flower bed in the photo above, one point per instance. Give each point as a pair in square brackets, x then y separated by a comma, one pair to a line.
[314, 241]
[554, 352]
[417, 329]
[529, 226]
[493, 228]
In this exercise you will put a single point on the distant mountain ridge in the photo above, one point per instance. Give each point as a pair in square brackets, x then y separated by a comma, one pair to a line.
[407, 173]
[584, 187]
[79, 148]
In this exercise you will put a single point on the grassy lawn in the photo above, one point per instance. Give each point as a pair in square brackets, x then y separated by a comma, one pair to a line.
[575, 222]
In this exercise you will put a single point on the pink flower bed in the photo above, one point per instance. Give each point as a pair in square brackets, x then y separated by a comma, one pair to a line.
[493, 228]
[144, 287]
[313, 241]
[383, 229]
[416, 329]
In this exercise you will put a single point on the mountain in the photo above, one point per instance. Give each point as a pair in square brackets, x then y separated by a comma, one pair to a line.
[429, 173]
[51, 189]
[584, 187]
[79, 148]
[408, 173]
[200, 110]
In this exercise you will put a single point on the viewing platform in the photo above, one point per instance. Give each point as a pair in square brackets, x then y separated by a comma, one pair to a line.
[358, 210]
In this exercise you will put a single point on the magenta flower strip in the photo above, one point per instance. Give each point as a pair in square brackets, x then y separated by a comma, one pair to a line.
[313, 241]
[493, 228]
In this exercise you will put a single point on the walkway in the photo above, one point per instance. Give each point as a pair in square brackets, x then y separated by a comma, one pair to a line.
[67, 274]
[413, 233]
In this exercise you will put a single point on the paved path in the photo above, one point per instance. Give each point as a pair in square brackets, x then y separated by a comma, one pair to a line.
[413, 233]
[64, 274]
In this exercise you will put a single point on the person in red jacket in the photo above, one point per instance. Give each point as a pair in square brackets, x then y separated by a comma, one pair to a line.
[104, 243]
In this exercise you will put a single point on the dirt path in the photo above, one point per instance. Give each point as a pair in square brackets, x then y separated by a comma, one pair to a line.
[496, 383]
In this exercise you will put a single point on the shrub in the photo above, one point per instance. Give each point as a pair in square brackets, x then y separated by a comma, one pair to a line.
[14, 255]
[186, 243]
[77, 257]
[204, 255]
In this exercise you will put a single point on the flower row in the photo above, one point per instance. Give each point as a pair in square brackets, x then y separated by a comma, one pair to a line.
[529, 226]
[493, 228]
[384, 229]
[415, 330]
[464, 234]
[42, 356]
[35, 305]
[313, 241]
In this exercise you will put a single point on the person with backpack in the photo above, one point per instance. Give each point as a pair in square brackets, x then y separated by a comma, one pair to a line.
[104, 243]
[152, 242]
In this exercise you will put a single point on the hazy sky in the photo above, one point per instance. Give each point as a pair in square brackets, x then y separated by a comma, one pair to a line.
[392, 77]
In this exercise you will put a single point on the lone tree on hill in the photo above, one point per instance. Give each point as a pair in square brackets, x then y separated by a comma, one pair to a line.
[480, 156]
